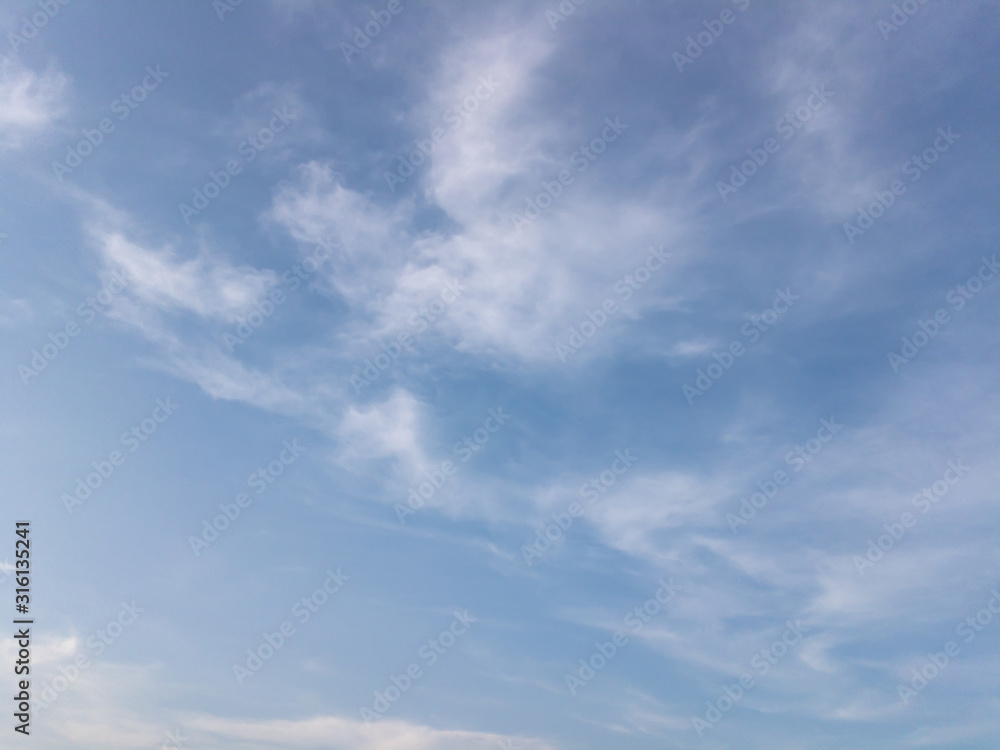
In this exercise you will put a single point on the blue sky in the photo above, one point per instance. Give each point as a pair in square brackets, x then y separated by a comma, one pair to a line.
[530, 376]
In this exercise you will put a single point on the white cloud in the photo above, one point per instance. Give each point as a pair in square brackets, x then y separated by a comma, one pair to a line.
[29, 101]
[385, 430]
[161, 288]
[651, 503]
[112, 704]
[524, 288]
[47, 649]
[347, 734]
[225, 377]
[15, 311]
[373, 242]
[204, 285]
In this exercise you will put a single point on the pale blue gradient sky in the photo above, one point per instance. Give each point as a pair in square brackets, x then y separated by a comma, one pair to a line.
[516, 291]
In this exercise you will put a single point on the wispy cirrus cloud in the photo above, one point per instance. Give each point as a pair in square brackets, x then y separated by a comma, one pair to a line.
[30, 102]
